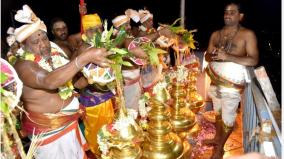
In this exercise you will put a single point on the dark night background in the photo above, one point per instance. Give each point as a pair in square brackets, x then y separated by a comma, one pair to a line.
[262, 16]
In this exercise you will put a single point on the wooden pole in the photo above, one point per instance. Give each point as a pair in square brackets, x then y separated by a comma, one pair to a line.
[82, 2]
[182, 12]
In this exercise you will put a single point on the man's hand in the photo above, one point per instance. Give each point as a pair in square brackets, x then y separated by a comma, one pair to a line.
[165, 31]
[139, 53]
[99, 56]
[220, 55]
[209, 55]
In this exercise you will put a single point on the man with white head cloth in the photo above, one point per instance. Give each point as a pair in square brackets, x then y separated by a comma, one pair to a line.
[52, 109]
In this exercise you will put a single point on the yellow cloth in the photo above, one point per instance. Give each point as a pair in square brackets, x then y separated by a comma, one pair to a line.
[96, 117]
[91, 20]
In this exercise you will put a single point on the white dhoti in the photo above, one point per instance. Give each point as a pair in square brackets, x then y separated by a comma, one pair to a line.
[132, 88]
[66, 142]
[225, 101]
[227, 81]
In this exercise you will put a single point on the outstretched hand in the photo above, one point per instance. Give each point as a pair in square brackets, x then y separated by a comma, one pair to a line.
[165, 31]
[99, 56]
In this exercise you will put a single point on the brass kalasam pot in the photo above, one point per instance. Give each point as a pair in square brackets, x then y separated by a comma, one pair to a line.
[159, 128]
[195, 107]
[127, 152]
[196, 102]
[172, 149]
[182, 122]
[182, 118]
[128, 134]
[161, 143]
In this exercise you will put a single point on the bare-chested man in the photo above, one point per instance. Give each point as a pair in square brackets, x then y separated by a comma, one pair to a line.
[42, 74]
[69, 43]
[230, 50]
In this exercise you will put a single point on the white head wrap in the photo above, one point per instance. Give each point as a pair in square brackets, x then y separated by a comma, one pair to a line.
[33, 23]
[144, 15]
[120, 20]
[133, 14]
[11, 39]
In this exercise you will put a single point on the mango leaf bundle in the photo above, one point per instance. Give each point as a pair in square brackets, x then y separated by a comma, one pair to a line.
[186, 36]
[152, 52]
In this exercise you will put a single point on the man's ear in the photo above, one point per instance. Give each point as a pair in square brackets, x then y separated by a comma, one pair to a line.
[242, 16]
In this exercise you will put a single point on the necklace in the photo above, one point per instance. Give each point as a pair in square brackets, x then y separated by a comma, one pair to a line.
[55, 60]
[226, 40]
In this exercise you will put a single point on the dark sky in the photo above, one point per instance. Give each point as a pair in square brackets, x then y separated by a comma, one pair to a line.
[262, 16]
[205, 15]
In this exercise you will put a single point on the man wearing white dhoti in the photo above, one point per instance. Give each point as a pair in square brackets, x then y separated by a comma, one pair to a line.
[48, 97]
[230, 50]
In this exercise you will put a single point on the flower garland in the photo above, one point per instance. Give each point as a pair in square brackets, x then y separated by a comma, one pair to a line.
[110, 131]
[57, 60]
[143, 110]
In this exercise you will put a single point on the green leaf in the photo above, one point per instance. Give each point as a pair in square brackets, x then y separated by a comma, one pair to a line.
[154, 59]
[178, 30]
[4, 108]
[119, 51]
[117, 58]
[65, 94]
[120, 37]
[2, 90]
[96, 40]
[158, 51]
[3, 77]
[117, 71]
[109, 33]
[126, 63]
[153, 53]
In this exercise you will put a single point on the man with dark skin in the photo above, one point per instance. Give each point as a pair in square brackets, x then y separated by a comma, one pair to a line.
[68, 43]
[230, 50]
[43, 71]
[39, 92]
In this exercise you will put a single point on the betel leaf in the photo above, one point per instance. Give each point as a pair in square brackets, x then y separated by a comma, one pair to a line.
[3, 77]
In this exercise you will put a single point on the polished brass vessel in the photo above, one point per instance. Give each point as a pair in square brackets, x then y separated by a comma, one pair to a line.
[194, 100]
[122, 145]
[161, 142]
[182, 118]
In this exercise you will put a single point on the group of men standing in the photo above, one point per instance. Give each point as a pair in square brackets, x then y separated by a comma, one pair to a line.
[49, 71]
